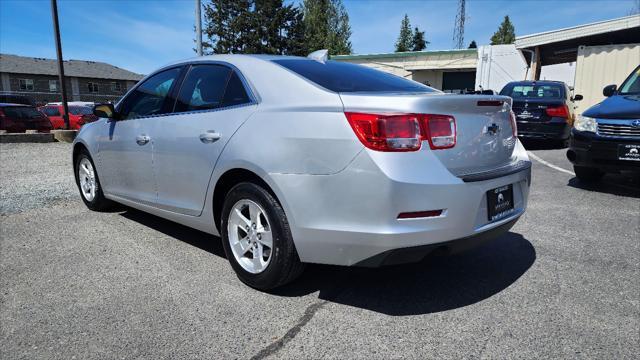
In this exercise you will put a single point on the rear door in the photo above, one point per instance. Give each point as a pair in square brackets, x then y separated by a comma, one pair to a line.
[211, 105]
[54, 115]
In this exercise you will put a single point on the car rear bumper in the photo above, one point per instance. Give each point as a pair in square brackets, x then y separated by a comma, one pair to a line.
[591, 150]
[351, 218]
[544, 130]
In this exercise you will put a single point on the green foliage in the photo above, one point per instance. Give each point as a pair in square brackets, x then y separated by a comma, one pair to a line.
[473, 45]
[405, 39]
[506, 33]
[326, 26]
[253, 26]
[418, 42]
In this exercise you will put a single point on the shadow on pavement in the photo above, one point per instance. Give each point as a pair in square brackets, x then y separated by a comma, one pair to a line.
[531, 144]
[438, 283]
[614, 184]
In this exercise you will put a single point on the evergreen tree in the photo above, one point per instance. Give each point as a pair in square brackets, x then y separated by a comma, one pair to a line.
[473, 45]
[418, 42]
[506, 33]
[253, 26]
[405, 39]
[326, 26]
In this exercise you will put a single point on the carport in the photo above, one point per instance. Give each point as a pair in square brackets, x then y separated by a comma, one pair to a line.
[561, 46]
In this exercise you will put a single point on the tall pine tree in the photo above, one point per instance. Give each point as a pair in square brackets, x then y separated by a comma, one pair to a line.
[473, 45]
[418, 42]
[506, 33]
[405, 39]
[326, 26]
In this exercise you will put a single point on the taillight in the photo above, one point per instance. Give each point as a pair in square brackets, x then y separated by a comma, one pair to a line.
[403, 132]
[514, 124]
[558, 111]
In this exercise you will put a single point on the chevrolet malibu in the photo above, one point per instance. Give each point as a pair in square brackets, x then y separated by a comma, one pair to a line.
[296, 160]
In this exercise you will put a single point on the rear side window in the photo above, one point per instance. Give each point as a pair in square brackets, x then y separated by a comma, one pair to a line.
[203, 88]
[80, 110]
[531, 91]
[344, 77]
[21, 112]
[51, 111]
[235, 93]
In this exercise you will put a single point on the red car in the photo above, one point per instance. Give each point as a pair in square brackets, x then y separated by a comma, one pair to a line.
[17, 118]
[78, 116]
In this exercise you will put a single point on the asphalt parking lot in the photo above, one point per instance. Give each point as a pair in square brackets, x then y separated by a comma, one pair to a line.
[565, 282]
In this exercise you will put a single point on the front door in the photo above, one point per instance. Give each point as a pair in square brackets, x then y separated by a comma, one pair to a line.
[212, 103]
[126, 145]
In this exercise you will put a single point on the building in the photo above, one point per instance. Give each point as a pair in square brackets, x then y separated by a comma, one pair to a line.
[37, 78]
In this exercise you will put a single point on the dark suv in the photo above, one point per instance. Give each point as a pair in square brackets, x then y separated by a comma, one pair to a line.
[543, 109]
[606, 137]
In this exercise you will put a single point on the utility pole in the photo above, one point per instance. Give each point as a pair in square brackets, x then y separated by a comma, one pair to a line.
[458, 30]
[198, 28]
[63, 86]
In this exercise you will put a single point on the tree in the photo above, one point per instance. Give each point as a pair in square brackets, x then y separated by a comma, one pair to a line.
[473, 45]
[506, 33]
[418, 42]
[326, 26]
[253, 26]
[405, 39]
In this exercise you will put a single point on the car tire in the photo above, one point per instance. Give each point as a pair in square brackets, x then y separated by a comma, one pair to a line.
[86, 177]
[242, 239]
[587, 174]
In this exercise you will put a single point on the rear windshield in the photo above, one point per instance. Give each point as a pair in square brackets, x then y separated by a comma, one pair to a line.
[344, 77]
[80, 110]
[531, 91]
[21, 112]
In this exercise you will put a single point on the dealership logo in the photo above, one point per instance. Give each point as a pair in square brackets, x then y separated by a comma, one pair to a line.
[635, 123]
[525, 115]
[500, 197]
[633, 151]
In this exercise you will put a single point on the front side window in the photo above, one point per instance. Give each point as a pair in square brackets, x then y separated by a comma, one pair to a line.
[92, 87]
[149, 97]
[345, 77]
[26, 84]
[53, 85]
[21, 112]
[631, 86]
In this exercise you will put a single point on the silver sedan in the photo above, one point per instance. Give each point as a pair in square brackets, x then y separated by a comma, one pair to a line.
[295, 160]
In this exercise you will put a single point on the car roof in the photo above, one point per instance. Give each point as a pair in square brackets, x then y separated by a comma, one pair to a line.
[12, 104]
[538, 82]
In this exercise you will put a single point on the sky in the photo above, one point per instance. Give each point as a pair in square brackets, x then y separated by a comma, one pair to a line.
[142, 35]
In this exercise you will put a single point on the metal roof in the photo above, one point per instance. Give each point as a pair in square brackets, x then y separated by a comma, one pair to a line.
[404, 54]
[73, 68]
[576, 32]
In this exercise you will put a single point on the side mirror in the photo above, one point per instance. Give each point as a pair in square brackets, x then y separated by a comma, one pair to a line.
[104, 111]
[577, 97]
[609, 90]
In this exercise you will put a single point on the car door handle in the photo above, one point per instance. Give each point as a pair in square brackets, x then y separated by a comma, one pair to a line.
[142, 139]
[209, 137]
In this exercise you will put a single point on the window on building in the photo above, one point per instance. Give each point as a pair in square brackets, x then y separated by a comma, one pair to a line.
[116, 87]
[92, 87]
[53, 85]
[26, 84]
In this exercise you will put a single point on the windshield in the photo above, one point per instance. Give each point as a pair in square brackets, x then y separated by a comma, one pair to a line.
[345, 77]
[21, 112]
[532, 91]
[632, 84]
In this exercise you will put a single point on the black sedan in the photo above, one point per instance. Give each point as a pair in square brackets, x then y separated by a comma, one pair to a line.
[544, 109]
[606, 137]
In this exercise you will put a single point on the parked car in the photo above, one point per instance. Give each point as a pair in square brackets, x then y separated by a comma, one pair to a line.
[16, 99]
[293, 160]
[606, 137]
[544, 109]
[78, 115]
[17, 118]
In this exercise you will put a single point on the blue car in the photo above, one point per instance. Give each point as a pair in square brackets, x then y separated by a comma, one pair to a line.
[606, 137]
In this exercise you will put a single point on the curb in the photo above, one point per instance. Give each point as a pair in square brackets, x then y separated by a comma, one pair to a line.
[27, 138]
[64, 135]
